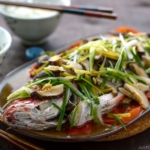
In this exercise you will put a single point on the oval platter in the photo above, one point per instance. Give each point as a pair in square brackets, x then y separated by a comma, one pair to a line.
[19, 77]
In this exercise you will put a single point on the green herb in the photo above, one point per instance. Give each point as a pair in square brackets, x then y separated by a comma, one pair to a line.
[111, 65]
[50, 53]
[47, 79]
[73, 56]
[73, 118]
[55, 105]
[91, 91]
[148, 70]
[63, 108]
[106, 77]
[147, 48]
[83, 57]
[90, 83]
[92, 57]
[136, 57]
[119, 120]
[73, 89]
[125, 77]
[85, 46]
[114, 124]
[103, 64]
[23, 92]
[49, 73]
[95, 114]
[129, 54]
[59, 108]
[120, 60]
[80, 77]
[85, 91]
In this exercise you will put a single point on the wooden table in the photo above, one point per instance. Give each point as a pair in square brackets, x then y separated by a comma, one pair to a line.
[135, 14]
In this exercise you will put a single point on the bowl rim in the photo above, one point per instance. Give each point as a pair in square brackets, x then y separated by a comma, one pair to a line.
[9, 41]
[68, 2]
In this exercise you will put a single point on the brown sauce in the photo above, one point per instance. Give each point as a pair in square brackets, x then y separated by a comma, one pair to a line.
[98, 129]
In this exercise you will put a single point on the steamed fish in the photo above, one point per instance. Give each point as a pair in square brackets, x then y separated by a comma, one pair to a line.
[102, 81]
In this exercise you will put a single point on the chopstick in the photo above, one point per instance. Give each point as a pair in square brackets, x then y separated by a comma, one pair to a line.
[68, 9]
[101, 9]
[20, 143]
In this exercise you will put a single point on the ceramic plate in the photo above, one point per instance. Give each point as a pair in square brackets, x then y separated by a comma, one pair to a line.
[19, 77]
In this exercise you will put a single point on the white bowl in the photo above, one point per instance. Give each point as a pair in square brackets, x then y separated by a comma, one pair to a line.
[32, 28]
[5, 42]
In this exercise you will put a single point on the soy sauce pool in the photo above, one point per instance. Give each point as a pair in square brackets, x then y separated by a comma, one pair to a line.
[63, 136]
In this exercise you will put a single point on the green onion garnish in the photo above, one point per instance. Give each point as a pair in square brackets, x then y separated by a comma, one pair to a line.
[136, 57]
[88, 82]
[106, 77]
[85, 91]
[63, 107]
[73, 89]
[92, 57]
[73, 118]
[119, 120]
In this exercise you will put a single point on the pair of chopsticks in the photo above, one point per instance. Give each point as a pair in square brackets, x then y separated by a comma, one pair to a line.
[19, 143]
[77, 10]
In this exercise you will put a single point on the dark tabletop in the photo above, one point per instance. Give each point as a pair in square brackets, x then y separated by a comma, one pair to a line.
[132, 13]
